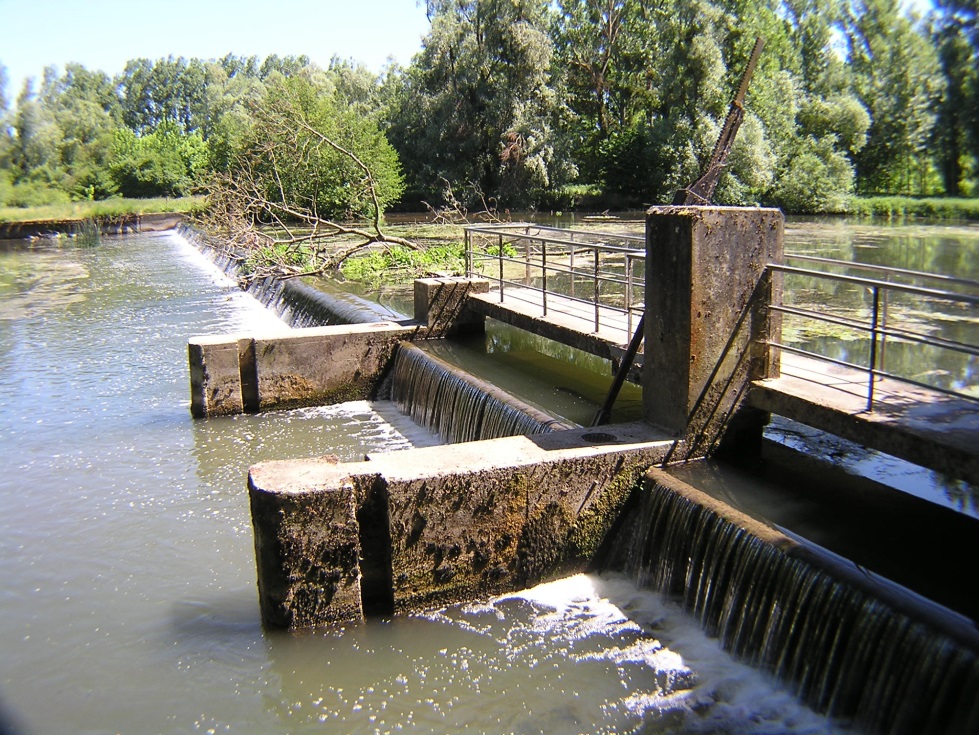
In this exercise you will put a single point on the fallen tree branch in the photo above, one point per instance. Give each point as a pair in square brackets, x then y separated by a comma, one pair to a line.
[266, 205]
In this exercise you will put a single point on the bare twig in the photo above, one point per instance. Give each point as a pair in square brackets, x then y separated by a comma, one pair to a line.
[279, 231]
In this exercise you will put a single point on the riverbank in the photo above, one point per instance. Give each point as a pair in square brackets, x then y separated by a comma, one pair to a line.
[107, 209]
[899, 208]
[114, 225]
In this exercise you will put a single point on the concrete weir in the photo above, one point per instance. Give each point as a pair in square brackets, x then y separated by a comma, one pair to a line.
[318, 365]
[404, 531]
[408, 530]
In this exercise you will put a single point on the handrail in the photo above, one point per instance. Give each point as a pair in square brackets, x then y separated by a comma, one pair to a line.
[577, 258]
[854, 265]
[876, 326]
[873, 283]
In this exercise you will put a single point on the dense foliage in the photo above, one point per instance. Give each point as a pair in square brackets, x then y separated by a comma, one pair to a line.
[532, 103]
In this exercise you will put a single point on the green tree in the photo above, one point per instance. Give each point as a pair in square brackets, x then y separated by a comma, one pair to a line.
[898, 78]
[166, 90]
[287, 154]
[163, 162]
[305, 164]
[476, 105]
[956, 35]
[4, 102]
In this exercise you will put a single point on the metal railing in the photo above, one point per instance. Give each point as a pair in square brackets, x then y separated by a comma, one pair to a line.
[875, 321]
[603, 272]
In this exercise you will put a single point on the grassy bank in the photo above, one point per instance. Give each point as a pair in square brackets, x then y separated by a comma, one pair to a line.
[106, 209]
[908, 207]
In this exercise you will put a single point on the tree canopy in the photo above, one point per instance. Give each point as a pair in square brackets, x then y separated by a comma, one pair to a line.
[532, 103]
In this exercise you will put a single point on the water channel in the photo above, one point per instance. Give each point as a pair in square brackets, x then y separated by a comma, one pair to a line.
[128, 596]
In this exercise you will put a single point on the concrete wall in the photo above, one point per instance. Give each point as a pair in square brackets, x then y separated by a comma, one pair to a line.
[441, 305]
[300, 367]
[707, 293]
[438, 525]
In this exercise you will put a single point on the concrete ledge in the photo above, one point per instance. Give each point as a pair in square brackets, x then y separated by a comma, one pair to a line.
[442, 305]
[315, 533]
[324, 365]
[117, 225]
[459, 522]
[924, 427]
[320, 365]
[941, 619]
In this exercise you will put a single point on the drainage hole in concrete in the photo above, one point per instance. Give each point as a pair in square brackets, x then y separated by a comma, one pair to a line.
[599, 437]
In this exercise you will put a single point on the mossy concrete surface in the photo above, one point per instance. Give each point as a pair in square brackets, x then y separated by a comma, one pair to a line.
[441, 524]
[707, 320]
[441, 305]
[296, 367]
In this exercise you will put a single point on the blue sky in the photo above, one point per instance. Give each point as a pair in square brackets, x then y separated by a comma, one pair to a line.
[104, 34]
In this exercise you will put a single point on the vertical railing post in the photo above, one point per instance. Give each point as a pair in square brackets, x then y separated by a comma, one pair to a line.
[526, 250]
[882, 357]
[874, 320]
[597, 286]
[499, 254]
[571, 265]
[628, 292]
[469, 254]
[543, 272]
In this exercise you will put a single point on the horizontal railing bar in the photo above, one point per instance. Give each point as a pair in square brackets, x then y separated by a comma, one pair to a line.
[874, 283]
[840, 321]
[578, 244]
[606, 276]
[884, 269]
[864, 370]
[859, 326]
[495, 229]
[816, 356]
[574, 299]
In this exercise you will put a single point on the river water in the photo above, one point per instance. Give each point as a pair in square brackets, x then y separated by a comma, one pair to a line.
[128, 600]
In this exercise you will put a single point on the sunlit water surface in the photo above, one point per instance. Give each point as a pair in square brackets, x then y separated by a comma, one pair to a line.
[128, 600]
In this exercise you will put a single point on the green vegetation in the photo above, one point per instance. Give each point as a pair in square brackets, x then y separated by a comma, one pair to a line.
[944, 208]
[515, 104]
[106, 209]
[398, 264]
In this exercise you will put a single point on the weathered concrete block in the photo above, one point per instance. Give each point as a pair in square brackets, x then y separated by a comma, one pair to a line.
[307, 544]
[324, 365]
[440, 304]
[706, 316]
[443, 524]
[215, 376]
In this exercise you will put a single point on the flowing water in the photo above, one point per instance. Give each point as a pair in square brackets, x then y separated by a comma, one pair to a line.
[127, 597]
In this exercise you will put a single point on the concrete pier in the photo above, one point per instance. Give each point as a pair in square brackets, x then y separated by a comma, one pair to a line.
[301, 367]
[408, 530]
[707, 292]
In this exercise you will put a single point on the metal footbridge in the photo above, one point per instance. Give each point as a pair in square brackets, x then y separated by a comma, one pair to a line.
[586, 289]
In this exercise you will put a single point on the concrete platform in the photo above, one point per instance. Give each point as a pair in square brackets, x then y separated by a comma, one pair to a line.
[926, 427]
[567, 321]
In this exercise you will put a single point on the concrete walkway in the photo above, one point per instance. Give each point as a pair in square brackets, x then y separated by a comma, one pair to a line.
[927, 427]
[568, 321]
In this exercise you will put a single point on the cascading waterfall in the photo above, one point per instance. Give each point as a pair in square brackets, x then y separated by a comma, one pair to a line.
[458, 406]
[298, 304]
[845, 650]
